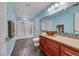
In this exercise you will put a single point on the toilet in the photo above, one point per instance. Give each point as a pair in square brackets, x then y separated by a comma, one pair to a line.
[36, 41]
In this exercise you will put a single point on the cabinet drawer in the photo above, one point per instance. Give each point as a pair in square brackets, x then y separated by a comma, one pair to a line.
[68, 51]
[42, 40]
[52, 43]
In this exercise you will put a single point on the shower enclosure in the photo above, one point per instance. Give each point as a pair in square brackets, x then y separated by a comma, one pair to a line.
[24, 29]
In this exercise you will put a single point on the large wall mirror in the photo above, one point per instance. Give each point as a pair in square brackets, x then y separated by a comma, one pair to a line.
[46, 24]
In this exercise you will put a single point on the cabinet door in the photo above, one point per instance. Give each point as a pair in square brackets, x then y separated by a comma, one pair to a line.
[42, 43]
[52, 47]
[42, 39]
[68, 51]
[49, 47]
[52, 51]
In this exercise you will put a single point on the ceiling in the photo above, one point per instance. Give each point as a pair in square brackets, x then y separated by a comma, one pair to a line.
[29, 9]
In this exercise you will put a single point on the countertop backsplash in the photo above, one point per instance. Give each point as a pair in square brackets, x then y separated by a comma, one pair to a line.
[69, 35]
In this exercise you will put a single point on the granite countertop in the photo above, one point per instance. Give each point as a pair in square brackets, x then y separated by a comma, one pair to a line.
[65, 40]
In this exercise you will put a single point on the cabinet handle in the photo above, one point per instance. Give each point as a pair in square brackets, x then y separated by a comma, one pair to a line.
[69, 54]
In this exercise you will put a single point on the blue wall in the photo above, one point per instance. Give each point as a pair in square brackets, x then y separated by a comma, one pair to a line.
[64, 17]
[11, 15]
[10, 11]
[37, 20]
[37, 27]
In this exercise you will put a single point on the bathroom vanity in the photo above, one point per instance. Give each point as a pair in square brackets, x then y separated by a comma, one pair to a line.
[58, 45]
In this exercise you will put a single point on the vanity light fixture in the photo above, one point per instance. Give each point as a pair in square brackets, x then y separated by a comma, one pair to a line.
[49, 9]
[56, 5]
[52, 7]
[62, 3]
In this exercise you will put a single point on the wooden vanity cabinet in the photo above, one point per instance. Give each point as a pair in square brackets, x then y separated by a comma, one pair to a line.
[52, 48]
[42, 42]
[49, 47]
[68, 51]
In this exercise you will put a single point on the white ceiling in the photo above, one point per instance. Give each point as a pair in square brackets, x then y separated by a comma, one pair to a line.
[29, 9]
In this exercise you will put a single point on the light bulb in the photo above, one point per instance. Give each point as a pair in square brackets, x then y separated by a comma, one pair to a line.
[52, 7]
[49, 9]
[56, 5]
[62, 3]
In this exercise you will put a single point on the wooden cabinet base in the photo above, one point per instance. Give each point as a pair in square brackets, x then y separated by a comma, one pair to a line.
[68, 51]
[49, 47]
[53, 48]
